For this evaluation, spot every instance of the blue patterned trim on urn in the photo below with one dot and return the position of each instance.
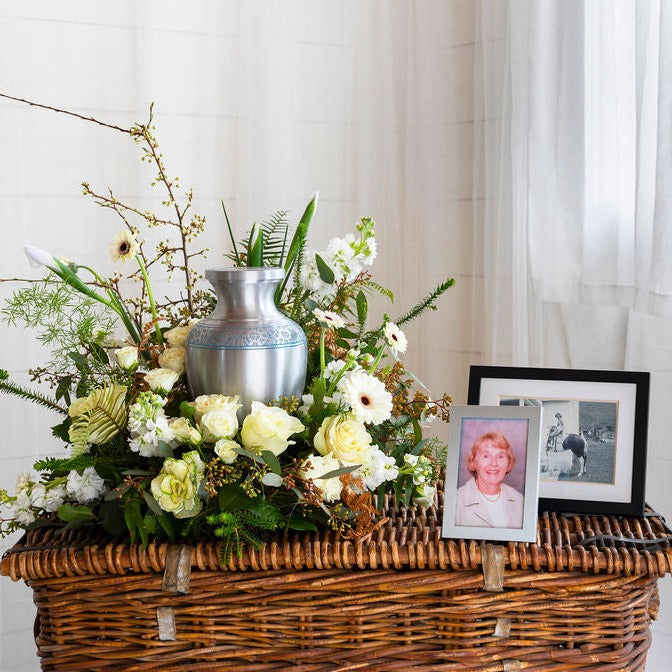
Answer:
(218, 337)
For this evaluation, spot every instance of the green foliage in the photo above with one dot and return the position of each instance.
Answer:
(9, 387)
(104, 418)
(64, 465)
(64, 319)
(427, 303)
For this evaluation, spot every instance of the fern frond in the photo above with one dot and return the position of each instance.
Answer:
(275, 238)
(8, 387)
(56, 464)
(425, 304)
(104, 418)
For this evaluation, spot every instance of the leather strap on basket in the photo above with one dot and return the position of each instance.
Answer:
(492, 561)
(177, 573)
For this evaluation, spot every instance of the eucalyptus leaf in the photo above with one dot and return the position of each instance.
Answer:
(326, 274)
(272, 480)
(272, 461)
(339, 472)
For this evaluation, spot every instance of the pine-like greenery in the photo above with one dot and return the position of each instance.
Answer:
(12, 388)
(427, 303)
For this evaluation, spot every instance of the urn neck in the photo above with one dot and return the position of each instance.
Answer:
(245, 293)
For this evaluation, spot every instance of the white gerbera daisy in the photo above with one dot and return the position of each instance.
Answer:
(395, 338)
(329, 318)
(124, 247)
(370, 402)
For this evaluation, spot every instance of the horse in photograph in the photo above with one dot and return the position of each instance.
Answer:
(579, 447)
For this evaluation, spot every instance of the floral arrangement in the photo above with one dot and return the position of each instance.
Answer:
(143, 460)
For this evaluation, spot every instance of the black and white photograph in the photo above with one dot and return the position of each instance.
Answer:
(593, 432)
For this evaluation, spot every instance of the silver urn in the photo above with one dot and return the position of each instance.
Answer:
(246, 346)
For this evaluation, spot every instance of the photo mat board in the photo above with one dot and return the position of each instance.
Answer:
(593, 432)
(510, 515)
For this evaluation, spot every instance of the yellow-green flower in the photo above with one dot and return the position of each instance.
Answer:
(176, 487)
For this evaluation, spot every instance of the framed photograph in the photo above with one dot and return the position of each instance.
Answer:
(492, 474)
(593, 429)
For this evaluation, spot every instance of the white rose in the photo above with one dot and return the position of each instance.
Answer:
(423, 496)
(344, 438)
(184, 431)
(269, 428)
(173, 358)
(316, 466)
(127, 357)
(219, 424)
(212, 402)
(161, 380)
(177, 336)
(224, 449)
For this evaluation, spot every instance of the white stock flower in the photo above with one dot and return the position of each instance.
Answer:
(310, 279)
(85, 487)
(316, 466)
(329, 318)
(124, 246)
(54, 498)
(38, 496)
(218, 424)
(269, 428)
(378, 469)
(395, 338)
(335, 366)
(212, 402)
(148, 425)
(161, 380)
(370, 402)
(174, 359)
(127, 357)
(344, 438)
(224, 449)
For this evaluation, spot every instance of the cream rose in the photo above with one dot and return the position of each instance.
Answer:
(161, 380)
(344, 438)
(173, 358)
(127, 357)
(218, 424)
(184, 431)
(317, 466)
(175, 488)
(224, 449)
(177, 336)
(212, 402)
(269, 428)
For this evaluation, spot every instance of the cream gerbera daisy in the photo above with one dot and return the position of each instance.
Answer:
(124, 247)
(329, 318)
(370, 402)
(395, 338)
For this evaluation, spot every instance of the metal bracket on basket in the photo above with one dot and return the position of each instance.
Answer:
(165, 617)
(177, 574)
(492, 561)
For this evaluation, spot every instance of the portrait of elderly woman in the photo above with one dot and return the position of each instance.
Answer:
(485, 500)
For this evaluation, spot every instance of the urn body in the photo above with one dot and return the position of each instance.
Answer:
(246, 346)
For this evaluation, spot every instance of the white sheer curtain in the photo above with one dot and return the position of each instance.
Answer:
(574, 169)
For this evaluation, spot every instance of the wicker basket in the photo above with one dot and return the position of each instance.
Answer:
(581, 598)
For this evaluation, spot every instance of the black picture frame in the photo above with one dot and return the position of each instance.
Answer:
(608, 410)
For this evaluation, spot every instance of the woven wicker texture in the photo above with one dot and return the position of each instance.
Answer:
(581, 598)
